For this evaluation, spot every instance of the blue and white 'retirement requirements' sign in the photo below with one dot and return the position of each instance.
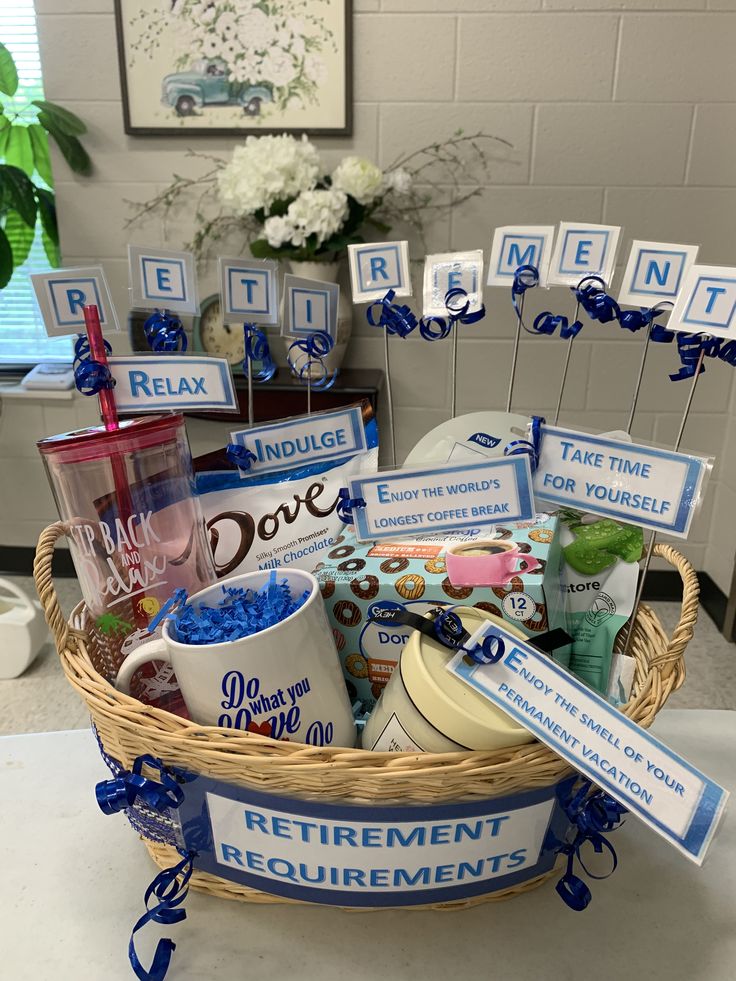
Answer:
(150, 384)
(520, 245)
(295, 442)
(642, 485)
(249, 291)
(442, 498)
(364, 855)
(636, 769)
(706, 303)
(161, 279)
(63, 294)
(655, 272)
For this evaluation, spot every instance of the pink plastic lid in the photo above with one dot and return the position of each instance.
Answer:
(96, 442)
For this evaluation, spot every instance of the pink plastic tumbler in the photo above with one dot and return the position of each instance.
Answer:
(136, 533)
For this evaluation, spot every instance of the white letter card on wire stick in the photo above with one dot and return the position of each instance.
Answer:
(63, 294)
(653, 782)
(249, 291)
(162, 279)
(707, 302)
(520, 245)
(583, 250)
(425, 500)
(309, 306)
(449, 271)
(150, 384)
(655, 272)
(376, 267)
(643, 485)
(304, 439)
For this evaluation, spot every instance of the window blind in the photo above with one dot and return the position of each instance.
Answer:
(22, 336)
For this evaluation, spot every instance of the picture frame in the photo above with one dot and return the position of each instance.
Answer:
(227, 68)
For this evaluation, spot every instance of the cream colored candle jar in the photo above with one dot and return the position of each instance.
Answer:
(424, 708)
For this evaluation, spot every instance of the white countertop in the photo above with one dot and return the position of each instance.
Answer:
(72, 882)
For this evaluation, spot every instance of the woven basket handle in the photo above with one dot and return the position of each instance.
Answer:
(671, 659)
(45, 584)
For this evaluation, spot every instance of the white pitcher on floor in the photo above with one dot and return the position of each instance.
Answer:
(23, 630)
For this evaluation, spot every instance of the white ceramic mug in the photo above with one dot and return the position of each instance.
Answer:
(284, 682)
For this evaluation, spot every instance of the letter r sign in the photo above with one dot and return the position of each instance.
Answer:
(377, 267)
(63, 294)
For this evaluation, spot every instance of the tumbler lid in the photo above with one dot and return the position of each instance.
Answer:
(97, 442)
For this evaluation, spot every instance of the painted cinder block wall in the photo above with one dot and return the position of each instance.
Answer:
(621, 111)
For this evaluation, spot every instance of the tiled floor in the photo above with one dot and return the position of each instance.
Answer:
(42, 701)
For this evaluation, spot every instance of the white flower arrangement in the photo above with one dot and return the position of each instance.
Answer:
(275, 189)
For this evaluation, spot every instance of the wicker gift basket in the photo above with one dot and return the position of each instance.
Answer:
(126, 729)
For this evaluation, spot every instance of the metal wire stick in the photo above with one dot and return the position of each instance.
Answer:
(515, 355)
(453, 372)
(566, 366)
(249, 375)
(653, 537)
(637, 387)
(389, 400)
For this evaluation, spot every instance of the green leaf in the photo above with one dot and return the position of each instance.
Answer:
(6, 260)
(72, 150)
(18, 151)
(64, 120)
(260, 249)
(51, 249)
(18, 193)
(20, 237)
(8, 74)
(47, 214)
(41, 158)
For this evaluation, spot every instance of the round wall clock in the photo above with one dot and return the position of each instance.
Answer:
(210, 335)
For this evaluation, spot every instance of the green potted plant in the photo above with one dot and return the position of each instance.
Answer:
(26, 181)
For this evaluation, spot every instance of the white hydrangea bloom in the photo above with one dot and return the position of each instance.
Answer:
(321, 213)
(359, 178)
(398, 181)
(256, 31)
(266, 169)
(278, 67)
(278, 231)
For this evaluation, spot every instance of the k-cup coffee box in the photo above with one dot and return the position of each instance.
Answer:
(355, 579)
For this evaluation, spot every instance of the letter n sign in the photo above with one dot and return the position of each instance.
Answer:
(377, 267)
(249, 291)
(63, 294)
(162, 279)
(655, 272)
(706, 303)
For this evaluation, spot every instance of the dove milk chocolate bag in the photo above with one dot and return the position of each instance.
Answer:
(278, 518)
(599, 577)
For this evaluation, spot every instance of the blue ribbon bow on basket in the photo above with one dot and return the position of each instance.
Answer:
(592, 816)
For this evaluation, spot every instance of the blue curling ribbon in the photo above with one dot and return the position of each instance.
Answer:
(130, 786)
(531, 445)
(592, 817)
(257, 349)
(90, 376)
(164, 332)
(457, 305)
(525, 278)
(489, 651)
(170, 888)
(396, 318)
(167, 610)
(547, 323)
(345, 505)
(240, 456)
(311, 350)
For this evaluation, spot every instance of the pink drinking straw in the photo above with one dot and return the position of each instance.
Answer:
(110, 419)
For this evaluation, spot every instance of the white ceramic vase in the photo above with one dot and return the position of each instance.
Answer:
(330, 272)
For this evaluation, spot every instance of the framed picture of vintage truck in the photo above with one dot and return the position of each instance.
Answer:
(233, 67)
